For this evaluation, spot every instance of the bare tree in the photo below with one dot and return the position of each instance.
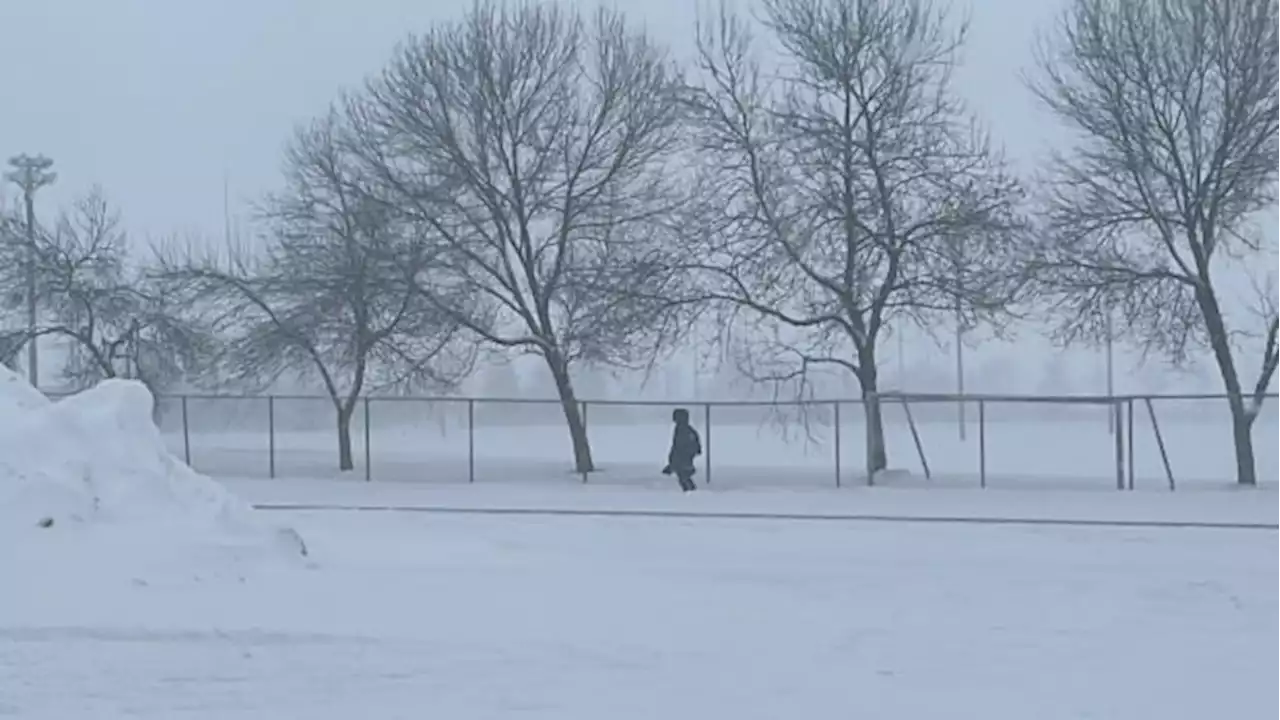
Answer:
(841, 186)
(332, 294)
(119, 321)
(11, 243)
(1174, 106)
(540, 144)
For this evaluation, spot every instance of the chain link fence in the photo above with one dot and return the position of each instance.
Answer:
(1132, 442)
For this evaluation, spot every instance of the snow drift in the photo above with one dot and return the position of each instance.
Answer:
(97, 462)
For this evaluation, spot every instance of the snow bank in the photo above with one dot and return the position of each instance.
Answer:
(96, 464)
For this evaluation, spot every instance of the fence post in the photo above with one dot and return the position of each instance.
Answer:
(982, 443)
(186, 432)
(1164, 453)
(368, 452)
(271, 436)
(835, 421)
(1116, 409)
(915, 435)
(1129, 439)
(471, 440)
(706, 441)
(587, 432)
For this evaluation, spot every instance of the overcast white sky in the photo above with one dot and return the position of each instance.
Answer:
(156, 99)
(159, 100)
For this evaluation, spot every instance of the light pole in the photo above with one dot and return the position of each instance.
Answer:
(1111, 381)
(960, 364)
(31, 174)
(899, 328)
(958, 258)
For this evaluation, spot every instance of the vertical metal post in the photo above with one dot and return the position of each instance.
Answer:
(186, 432)
(1164, 452)
(33, 341)
(471, 440)
(1129, 437)
(835, 421)
(1112, 420)
(706, 439)
(271, 436)
(902, 355)
(958, 253)
(697, 370)
(368, 452)
(982, 443)
(587, 433)
(915, 436)
(1116, 409)
(960, 372)
(31, 174)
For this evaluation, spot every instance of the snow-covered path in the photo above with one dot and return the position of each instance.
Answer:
(1222, 505)
(461, 617)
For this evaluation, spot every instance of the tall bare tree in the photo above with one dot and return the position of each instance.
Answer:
(841, 185)
(121, 323)
(331, 295)
(540, 144)
(1174, 107)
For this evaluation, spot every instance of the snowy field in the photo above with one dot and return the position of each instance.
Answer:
(131, 587)
(406, 615)
(1039, 446)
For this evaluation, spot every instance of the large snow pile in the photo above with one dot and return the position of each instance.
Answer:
(92, 469)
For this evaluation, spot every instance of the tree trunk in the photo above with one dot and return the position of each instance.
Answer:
(345, 461)
(582, 461)
(1242, 414)
(877, 456)
(1242, 433)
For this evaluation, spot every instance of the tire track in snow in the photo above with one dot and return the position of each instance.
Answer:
(761, 516)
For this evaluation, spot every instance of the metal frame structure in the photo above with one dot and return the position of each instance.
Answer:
(1120, 412)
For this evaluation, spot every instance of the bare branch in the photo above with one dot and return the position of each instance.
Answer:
(540, 145)
(333, 295)
(1175, 110)
(120, 323)
(850, 189)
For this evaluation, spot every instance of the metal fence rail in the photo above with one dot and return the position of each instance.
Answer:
(1121, 441)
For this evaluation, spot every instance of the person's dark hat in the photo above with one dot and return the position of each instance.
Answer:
(680, 415)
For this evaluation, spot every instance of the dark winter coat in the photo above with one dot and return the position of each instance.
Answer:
(685, 446)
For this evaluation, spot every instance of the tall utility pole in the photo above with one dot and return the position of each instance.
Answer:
(697, 369)
(31, 174)
(960, 364)
(1111, 377)
(957, 252)
(899, 329)
(226, 209)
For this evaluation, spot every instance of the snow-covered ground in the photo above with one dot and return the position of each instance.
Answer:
(94, 468)
(405, 615)
(89, 498)
(1224, 505)
(132, 587)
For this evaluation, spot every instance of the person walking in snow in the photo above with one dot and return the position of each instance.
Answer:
(685, 446)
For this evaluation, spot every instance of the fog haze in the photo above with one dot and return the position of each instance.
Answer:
(166, 104)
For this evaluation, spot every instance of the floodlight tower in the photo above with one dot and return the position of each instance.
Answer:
(30, 174)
